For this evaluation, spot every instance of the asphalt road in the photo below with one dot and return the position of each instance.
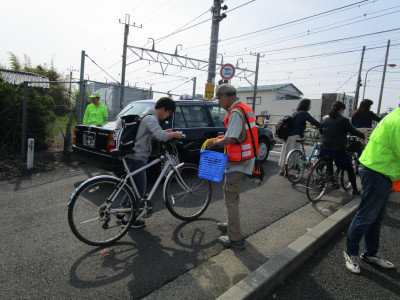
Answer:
(324, 275)
(41, 258)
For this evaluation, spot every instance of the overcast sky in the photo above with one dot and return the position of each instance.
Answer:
(314, 44)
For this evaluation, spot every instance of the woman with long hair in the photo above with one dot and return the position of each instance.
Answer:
(363, 117)
(334, 129)
(301, 116)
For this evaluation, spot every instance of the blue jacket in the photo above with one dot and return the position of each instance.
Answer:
(365, 120)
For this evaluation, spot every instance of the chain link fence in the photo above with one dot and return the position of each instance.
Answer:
(47, 111)
(110, 95)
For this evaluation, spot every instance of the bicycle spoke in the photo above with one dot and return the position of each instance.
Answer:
(93, 220)
(187, 201)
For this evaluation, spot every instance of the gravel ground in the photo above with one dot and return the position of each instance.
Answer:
(46, 161)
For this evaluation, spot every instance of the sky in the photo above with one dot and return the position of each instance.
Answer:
(315, 45)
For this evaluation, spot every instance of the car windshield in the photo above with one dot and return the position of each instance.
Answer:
(135, 109)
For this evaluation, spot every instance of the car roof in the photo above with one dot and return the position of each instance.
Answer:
(204, 102)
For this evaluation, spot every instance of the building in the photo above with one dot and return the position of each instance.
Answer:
(275, 101)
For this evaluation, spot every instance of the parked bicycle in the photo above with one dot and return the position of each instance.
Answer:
(94, 205)
(297, 161)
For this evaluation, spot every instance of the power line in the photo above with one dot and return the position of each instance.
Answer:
(101, 68)
(298, 20)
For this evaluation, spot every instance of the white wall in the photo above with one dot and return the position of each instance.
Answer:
(279, 108)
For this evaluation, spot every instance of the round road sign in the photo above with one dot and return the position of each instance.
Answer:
(227, 71)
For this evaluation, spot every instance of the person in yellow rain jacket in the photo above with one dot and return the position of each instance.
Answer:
(381, 166)
(96, 112)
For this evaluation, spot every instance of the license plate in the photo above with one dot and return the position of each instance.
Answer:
(89, 139)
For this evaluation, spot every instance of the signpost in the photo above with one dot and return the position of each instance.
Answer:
(209, 94)
(227, 71)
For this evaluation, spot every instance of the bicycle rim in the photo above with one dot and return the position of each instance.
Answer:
(316, 182)
(88, 217)
(187, 204)
(295, 166)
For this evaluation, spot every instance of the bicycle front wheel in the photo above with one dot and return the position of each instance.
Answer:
(295, 166)
(189, 199)
(89, 216)
(317, 181)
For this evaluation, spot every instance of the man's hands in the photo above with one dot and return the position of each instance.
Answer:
(173, 134)
(221, 141)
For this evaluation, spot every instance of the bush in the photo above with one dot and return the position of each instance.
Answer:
(40, 114)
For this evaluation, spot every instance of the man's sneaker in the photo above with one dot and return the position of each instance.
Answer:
(378, 260)
(356, 194)
(134, 224)
(224, 240)
(352, 263)
(222, 226)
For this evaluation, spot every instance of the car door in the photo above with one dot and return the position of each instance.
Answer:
(195, 121)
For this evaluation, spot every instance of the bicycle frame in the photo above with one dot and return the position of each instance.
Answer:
(170, 164)
(307, 159)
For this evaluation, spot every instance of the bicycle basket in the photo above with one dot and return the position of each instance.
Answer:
(212, 164)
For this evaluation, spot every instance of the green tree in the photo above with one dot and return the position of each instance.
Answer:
(58, 91)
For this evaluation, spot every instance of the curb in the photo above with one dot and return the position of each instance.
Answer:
(267, 277)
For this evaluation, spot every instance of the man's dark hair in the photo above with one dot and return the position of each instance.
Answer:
(167, 103)
(304, 105)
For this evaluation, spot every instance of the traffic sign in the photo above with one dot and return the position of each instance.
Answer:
(227, 71)
(209, 94)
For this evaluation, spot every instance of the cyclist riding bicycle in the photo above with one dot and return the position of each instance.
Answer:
(334, 129)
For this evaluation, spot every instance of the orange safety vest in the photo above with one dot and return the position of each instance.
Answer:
(244, 151)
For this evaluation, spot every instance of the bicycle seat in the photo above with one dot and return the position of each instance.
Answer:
(300, 140)
(120, 153)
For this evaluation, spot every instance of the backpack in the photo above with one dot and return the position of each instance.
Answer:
(125, 138)
(284, 126)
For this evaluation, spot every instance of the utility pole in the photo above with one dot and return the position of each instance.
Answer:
(126, 33)
(194, 87)
(383, 77)
(255, 82)
(359, 80)
(82, 86)
(212, 60)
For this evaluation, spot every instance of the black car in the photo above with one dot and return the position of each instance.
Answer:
(198, 120)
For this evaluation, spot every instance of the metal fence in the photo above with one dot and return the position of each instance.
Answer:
(49, 114)
(110, 95)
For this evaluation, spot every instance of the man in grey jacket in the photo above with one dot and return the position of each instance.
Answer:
(149, 127)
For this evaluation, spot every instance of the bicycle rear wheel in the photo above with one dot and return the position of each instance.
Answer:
(317, 181)
(354, 161)
(187, 204)
(295, 166)
(88, 216)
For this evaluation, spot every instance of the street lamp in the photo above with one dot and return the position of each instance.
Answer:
(366, 74)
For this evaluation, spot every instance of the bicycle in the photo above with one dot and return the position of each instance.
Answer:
(94, 205)
(354, 147)
(318, 180)
(297, 161)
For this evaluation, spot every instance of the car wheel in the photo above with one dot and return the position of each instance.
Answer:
(263, 150)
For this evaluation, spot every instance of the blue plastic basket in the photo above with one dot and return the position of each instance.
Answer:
(212, 165)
